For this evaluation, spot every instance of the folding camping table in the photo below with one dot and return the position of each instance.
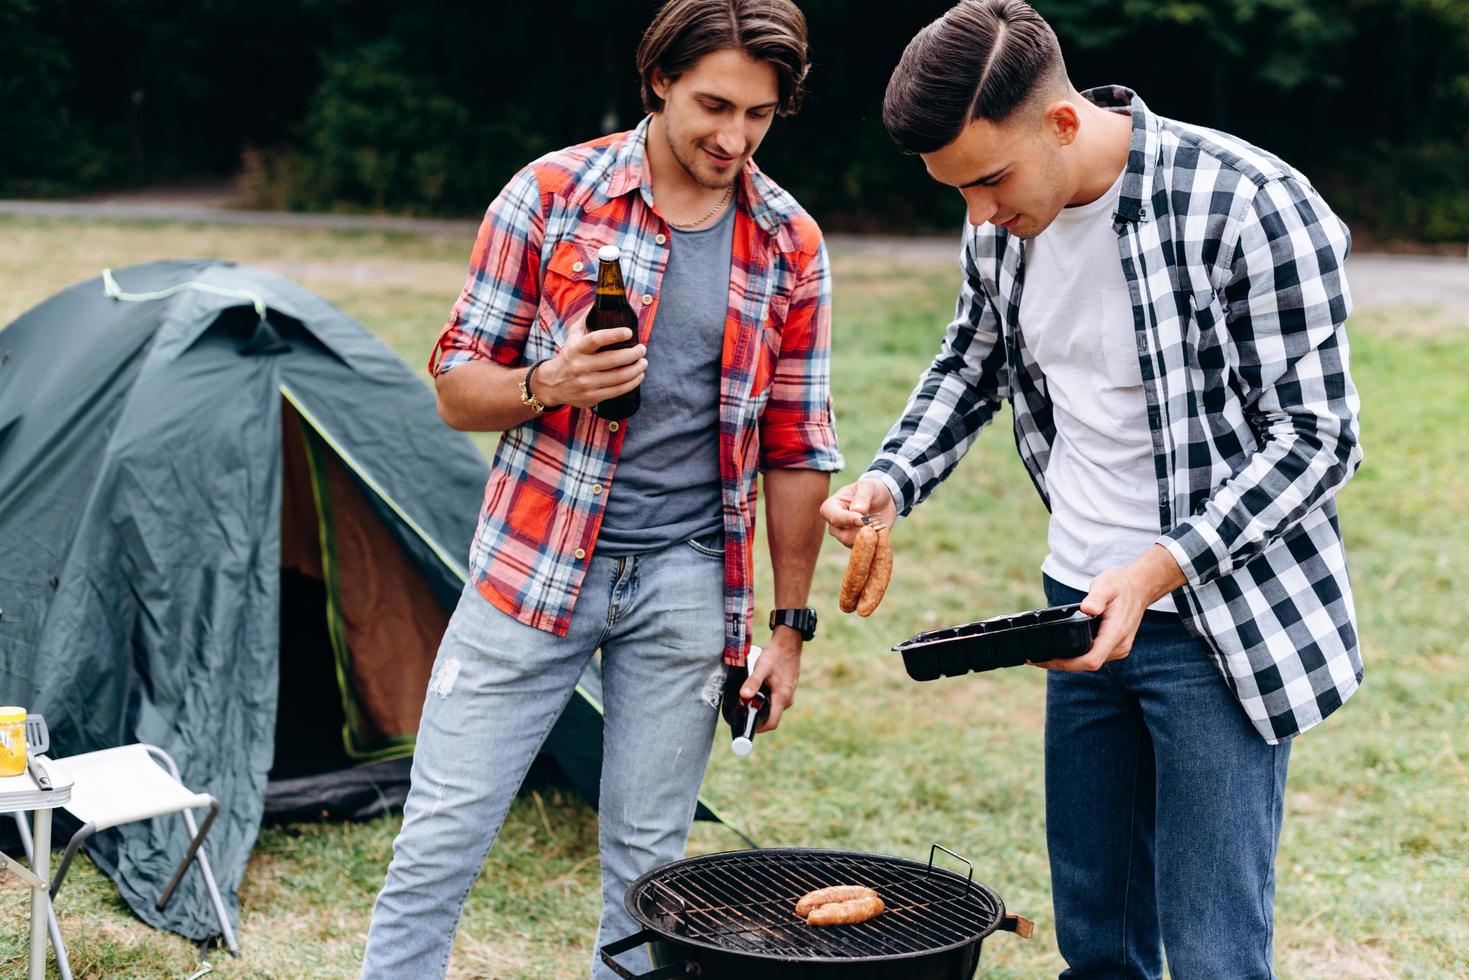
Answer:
(18, 793)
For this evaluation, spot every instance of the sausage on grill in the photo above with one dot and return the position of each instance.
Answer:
(846, 913)
(825, 896)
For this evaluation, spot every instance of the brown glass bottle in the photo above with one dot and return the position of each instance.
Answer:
(744, 716)
(611, 309)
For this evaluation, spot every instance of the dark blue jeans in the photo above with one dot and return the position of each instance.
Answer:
(1163, 811)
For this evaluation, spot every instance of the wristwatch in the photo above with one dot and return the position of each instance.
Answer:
(526, 397)
(803, 621)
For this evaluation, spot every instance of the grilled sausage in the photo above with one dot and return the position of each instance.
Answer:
(825, 896)
(846, 913)
(878, 577)
(858, 565)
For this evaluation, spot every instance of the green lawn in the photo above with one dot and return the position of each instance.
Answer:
(1374, 880)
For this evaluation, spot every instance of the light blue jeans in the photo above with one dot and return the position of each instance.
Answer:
(498, 687)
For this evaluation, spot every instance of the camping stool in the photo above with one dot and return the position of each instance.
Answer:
(139, 782)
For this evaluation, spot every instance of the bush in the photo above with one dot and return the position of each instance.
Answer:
(1418, 193)
(379, 135)
(43, 151)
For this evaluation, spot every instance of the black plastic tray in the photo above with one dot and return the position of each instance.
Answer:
(1052, 633)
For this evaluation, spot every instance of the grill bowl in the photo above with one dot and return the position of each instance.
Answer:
(733, 913)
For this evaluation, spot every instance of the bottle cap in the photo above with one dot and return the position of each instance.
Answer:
(10, 714)
(742, 746)
(609, 253)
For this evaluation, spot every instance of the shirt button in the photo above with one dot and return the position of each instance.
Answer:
(647, 299)
(596, 488)
(577, 267)
(581, 553)
(661, 239)
(613, 426)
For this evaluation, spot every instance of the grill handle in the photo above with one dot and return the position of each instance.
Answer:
(932, 851)
(1017, 924)
(633, 942)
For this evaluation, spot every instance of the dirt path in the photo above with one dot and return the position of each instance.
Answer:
(1377, 279)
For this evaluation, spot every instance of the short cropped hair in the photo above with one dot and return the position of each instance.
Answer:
(981, 60)
(686, 30)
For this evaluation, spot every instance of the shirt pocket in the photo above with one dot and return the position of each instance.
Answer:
(568, 286)
(771, 331)
(768, 333)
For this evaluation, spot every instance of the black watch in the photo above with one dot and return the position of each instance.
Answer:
(803, 621)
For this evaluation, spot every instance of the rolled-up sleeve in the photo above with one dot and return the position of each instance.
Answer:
(797, 427)
(497, 305)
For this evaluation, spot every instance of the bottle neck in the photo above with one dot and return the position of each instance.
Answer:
(609, 279)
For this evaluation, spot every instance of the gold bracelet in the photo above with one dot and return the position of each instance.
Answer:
(526, 398)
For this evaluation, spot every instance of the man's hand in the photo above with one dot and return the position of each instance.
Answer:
(780, 666)
(583, 375)
(1121, 596)
(843, 511)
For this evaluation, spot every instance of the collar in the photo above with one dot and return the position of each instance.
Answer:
(1142, 154)
(630, 172)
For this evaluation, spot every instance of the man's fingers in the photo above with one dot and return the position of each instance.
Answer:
(1106, 641)
(584, 342)
(751, 687)
(834, 509)
(609, 360)
(779, 702)
(602, 385)
(621, 389)
(618, 376)
(870, 498)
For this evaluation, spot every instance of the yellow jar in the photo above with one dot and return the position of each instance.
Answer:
(12, 741)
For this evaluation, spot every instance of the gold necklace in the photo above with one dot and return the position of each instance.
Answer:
(728, 192)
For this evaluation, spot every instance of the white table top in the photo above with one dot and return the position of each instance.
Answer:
(22, 793)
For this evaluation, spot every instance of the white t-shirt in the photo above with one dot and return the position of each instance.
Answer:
(1076, 317)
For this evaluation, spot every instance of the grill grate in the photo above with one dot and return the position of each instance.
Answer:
(744, 901)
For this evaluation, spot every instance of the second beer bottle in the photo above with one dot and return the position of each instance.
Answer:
(611, 309)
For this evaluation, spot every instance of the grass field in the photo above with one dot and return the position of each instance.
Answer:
(1373, 873)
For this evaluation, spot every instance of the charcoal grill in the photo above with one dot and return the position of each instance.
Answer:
(733, 915)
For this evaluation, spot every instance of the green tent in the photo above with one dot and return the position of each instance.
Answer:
(231, 525)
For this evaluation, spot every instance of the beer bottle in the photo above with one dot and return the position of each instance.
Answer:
(744, 716)
(611, 309)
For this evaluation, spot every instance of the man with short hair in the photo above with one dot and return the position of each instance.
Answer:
(632, 537)
(1163, 305)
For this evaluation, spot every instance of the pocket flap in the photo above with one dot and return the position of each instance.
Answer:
(573, 260)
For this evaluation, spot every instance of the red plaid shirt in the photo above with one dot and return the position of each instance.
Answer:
(533, 270)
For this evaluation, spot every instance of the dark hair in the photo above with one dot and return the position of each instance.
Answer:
(686, 30)
(981, 60)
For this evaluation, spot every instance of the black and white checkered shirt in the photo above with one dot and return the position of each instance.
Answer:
(1240, 302)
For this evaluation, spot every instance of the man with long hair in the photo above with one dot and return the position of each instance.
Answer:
(632, 537)
(1164, 308)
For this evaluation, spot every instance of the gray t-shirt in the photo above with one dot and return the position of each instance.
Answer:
(666, 487)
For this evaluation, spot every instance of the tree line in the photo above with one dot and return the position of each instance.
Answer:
(429, 107)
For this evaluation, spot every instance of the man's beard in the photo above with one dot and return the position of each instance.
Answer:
(714, 184)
